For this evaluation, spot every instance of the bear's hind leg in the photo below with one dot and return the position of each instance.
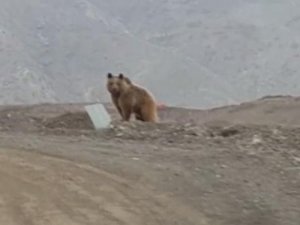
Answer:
(149, 113)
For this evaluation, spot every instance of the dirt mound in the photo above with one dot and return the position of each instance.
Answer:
(70, 120)
(276, 110)
(43, 117)
(270, 110)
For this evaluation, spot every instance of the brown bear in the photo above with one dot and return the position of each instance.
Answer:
(131, 99)
(113, 89)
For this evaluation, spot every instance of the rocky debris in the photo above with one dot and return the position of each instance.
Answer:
(73, 120)
(149, 131)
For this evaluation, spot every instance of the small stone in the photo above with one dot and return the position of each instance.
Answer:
(256, 139)
(228, 132)
(121, 128)
(119, 134)
(84, 137)
(251, 153)
(297, 159)
(133, 125)
(187, 125)
(245, 211)
(155, 148)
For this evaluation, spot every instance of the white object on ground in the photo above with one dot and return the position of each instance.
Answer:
(98, 115)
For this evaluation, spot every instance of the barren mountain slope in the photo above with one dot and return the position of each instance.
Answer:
(215, 52)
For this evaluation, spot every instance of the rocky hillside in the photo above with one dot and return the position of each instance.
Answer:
(215, 52)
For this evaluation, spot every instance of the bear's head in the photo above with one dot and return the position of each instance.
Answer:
(117, 84)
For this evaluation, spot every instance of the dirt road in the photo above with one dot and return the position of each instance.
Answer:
(39, 189)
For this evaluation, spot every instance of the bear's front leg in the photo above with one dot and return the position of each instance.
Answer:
(126, 112)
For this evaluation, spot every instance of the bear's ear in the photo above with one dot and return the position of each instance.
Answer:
(109, 75)
(121, 76)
